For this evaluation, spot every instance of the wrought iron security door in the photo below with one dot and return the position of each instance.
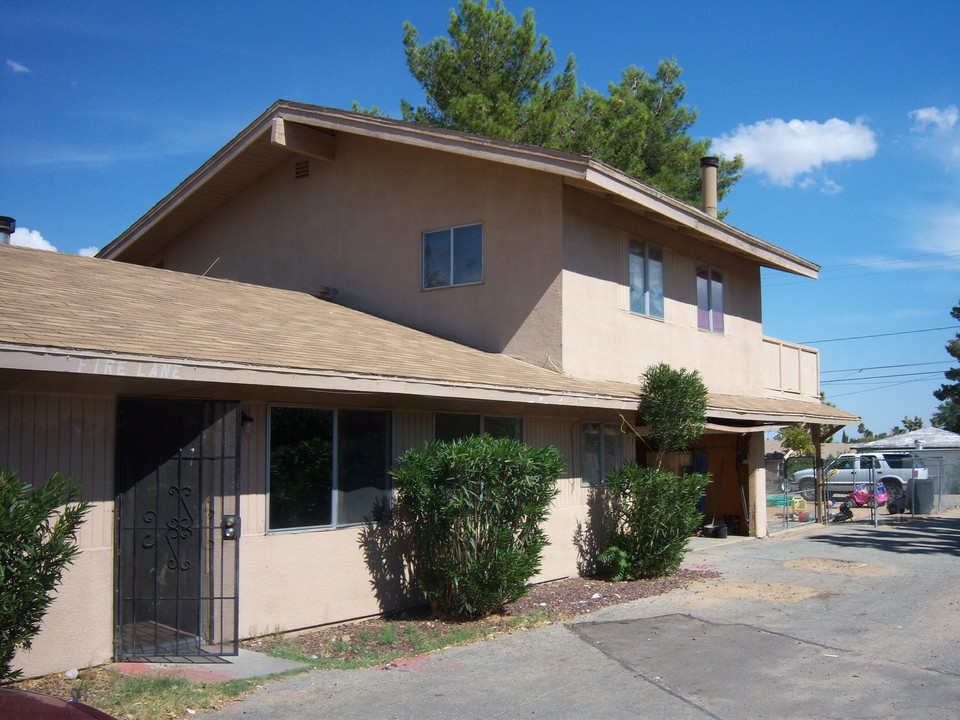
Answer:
(177, 529)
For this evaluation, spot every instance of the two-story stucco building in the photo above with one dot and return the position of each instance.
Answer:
(348, 287)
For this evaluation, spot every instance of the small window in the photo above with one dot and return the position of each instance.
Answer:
(646, 279)
(709, 298)
(601, 450)
(327, 467)
(454, 426)
(453, 256)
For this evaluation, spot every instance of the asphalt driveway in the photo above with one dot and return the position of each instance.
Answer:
(835, 622)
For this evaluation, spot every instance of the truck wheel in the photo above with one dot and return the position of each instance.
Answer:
(896, 501)
(808, 489)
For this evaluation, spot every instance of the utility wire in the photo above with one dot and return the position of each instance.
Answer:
(882, 386)
(870, 265)
(886, 367)
(933, 373)
(864, 337)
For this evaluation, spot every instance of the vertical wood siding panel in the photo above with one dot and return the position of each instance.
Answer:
(71, 435)
(560, 433)
(253, 469)
(5, 401)
(681, 286)
(28, 441)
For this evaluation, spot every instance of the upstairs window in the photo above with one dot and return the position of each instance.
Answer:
(452, 256)
(453, 426)
(646, 279)
(709, 298)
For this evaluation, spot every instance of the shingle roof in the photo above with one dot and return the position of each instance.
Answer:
(930, 437)
(70, 302)
(67, 304)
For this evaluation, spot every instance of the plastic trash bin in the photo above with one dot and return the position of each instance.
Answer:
(922, 492)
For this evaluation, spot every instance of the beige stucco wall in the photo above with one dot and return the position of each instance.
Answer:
(355, 224)
(603, 339)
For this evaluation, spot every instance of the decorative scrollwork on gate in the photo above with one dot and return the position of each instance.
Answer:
(179, 528)
(149, 540)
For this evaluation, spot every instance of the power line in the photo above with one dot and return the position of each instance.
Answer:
(864, 337)
(883, 386)
(933, 373)
(886, 367)
(870, 265)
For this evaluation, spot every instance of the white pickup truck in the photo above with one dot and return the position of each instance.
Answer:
(842, 474)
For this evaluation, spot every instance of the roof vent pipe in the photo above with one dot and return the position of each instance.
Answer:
(708, 184)
(7, 226)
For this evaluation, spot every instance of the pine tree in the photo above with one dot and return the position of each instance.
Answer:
(492, 76)
(947, 415)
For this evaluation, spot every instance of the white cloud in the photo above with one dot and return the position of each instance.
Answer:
(88, 251)
(943, 120)
(17, 67)
(784, 151)
(31, 239)
(937, 229)
(829, 187)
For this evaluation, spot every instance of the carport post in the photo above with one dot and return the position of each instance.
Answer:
(818, 466)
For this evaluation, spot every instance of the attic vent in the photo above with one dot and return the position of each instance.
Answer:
(302, 169)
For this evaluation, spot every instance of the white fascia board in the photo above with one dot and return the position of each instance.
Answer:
(459, 143)
(102, 364)
(768, 254)
(185, 189)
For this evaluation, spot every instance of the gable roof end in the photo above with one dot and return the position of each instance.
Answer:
(295, 128)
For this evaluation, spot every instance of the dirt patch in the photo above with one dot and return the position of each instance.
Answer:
(758, 591)
(838, 567)
(546, 602)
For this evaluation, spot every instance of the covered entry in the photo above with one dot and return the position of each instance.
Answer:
(177, 528)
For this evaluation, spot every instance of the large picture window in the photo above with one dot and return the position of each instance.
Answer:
(453, 426)
(646, 279)
(709, 298)
(601, 450)
(327, 467)
(452, 256)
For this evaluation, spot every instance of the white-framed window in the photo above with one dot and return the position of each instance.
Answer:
(452, 256)
(453, 426)
(709, 298)
(328, 468)
(646, 278)
(601, 450)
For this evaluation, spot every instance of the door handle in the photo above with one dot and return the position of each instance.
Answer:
(230, 527)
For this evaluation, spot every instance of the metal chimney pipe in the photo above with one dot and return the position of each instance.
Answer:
(7, 226)
(708, 184)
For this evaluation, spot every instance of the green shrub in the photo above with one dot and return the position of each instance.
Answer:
(37, 541)
(474, 509)
(653, 514)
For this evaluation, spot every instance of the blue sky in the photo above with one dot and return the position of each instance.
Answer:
(846, 113)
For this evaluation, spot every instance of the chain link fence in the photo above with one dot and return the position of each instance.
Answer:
(870, 502)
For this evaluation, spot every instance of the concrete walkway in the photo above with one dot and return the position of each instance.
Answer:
(835, 622)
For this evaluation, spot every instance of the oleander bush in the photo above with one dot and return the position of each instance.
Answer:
(653, 513)
(38, 540)
(474, 509)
